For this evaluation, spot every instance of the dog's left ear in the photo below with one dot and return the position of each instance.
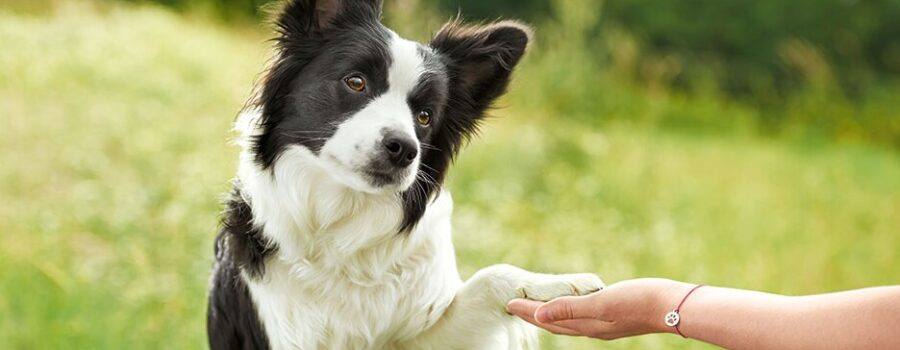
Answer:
(481, 58)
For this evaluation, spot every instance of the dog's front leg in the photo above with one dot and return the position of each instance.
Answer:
(477, 317)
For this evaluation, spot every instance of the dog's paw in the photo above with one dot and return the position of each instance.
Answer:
(549, 287)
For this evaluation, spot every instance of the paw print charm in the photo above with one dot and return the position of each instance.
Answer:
(672, 319)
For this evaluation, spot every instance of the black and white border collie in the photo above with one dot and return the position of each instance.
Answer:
(337, 232)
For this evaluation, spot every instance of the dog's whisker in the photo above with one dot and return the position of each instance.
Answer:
(429, 168)
(430, 147)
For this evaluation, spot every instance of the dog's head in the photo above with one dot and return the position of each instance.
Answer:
(381, 114)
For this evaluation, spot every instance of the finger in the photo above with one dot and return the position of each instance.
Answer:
(599, 329)
(524, 309)
(552, 328)
(566, 308)
(587, 327)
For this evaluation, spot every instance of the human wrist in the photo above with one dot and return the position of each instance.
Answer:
(668, 295)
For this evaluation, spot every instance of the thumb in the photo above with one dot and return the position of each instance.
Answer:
(565, 308)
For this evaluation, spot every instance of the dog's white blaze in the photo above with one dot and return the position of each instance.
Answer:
(358, 139)
(406, 70)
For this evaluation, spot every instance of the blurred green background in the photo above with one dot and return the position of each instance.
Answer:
(752, 144)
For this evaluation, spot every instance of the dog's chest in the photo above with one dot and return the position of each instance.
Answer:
(327, 310)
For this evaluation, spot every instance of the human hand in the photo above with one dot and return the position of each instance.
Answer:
(624, 309)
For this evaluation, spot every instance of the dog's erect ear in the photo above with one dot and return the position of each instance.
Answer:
(482, 57)
(480, 60)
(308, 16)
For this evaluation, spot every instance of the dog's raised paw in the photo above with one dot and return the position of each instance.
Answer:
(549, 287)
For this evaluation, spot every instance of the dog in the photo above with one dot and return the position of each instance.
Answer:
(336, 234)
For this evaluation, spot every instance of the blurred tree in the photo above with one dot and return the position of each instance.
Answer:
(860, 38)
(227, 9)
(852, 35)
(531, 10)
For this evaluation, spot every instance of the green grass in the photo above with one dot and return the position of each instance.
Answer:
(114, 150)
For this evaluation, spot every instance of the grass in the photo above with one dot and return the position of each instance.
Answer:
(114, 137)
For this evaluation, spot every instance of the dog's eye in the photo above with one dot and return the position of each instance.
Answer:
(356, 83)
(423, 117)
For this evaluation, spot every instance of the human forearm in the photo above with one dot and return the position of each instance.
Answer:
(860, 319)
(735, 319)
(741, 319)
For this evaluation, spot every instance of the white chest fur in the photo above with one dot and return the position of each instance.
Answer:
(332, 311)
(343, 277)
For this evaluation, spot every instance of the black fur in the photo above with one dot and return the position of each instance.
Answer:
(232, 321)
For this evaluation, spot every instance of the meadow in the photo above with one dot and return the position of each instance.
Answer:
(115, 151)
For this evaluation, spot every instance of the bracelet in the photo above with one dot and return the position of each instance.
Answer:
(673, 319)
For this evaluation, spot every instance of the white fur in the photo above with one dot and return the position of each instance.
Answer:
(343, 278)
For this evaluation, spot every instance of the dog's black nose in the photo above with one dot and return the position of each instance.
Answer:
(401, 150)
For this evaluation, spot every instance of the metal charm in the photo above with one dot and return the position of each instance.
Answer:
(672, 319)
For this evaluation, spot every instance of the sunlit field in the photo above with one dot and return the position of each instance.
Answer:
(115, 151)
